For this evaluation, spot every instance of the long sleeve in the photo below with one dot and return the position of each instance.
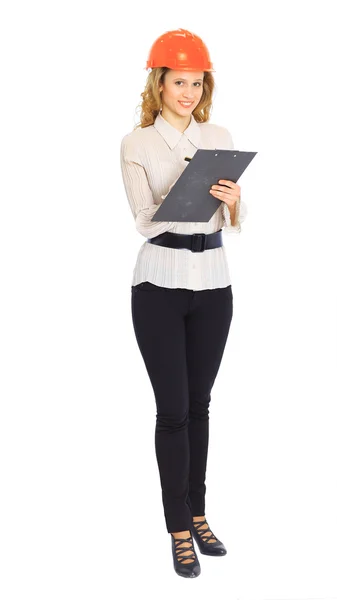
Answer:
(240, 215)
(241, 207)
(139, 193)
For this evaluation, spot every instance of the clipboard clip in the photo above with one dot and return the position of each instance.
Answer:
(187, 158)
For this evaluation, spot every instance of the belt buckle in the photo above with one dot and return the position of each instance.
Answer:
(198, 242)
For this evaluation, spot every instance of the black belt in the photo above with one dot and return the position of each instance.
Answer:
(197, 242)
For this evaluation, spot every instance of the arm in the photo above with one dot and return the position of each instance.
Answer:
(139, 193)
(233, 218)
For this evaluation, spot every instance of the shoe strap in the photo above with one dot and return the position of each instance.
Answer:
(179, 549)
(198, 525)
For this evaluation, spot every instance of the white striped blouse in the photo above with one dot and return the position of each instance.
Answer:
(152, 159)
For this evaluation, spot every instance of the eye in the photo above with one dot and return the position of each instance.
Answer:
(196, 83)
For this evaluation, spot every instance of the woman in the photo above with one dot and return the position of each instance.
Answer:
(181, 295)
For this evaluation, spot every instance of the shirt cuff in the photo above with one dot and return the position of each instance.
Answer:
(240, 215)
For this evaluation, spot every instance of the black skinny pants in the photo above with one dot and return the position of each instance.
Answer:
(181, 335)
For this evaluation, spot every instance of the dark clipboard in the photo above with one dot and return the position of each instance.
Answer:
(189, 199)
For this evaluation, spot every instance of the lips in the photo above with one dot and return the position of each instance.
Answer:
(185, 105)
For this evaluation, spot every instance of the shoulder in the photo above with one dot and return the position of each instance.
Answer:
(136, 139)
(220, 134)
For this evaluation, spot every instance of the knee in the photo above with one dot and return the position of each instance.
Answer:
(199, 406)
(172, 422)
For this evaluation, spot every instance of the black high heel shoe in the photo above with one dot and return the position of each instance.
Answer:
(190, 569)
(211, 548)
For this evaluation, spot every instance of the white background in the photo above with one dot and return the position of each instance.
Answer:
(81, 512)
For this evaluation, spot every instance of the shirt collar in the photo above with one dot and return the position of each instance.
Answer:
(172, 136)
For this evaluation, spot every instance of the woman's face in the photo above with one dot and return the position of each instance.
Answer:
(182, 91)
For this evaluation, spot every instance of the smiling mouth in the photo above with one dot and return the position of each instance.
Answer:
(185, 103)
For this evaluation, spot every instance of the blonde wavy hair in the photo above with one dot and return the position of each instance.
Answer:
(151, 103)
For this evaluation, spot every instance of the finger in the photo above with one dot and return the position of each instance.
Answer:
(226, 182)
(235, 187)
(221, 190)
(224, 195)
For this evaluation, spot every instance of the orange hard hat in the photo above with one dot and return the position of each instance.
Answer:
(180, 50)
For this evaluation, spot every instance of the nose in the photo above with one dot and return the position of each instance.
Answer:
(188, 92)
(188, 95)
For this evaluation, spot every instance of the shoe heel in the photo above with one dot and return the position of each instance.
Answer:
(210, 549)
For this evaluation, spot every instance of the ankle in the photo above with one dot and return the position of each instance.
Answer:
(199, 519)
(178, 535)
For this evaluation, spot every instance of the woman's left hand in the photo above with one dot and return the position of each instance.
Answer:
(230, 194)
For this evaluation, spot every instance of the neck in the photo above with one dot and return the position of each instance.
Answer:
(177, 121)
